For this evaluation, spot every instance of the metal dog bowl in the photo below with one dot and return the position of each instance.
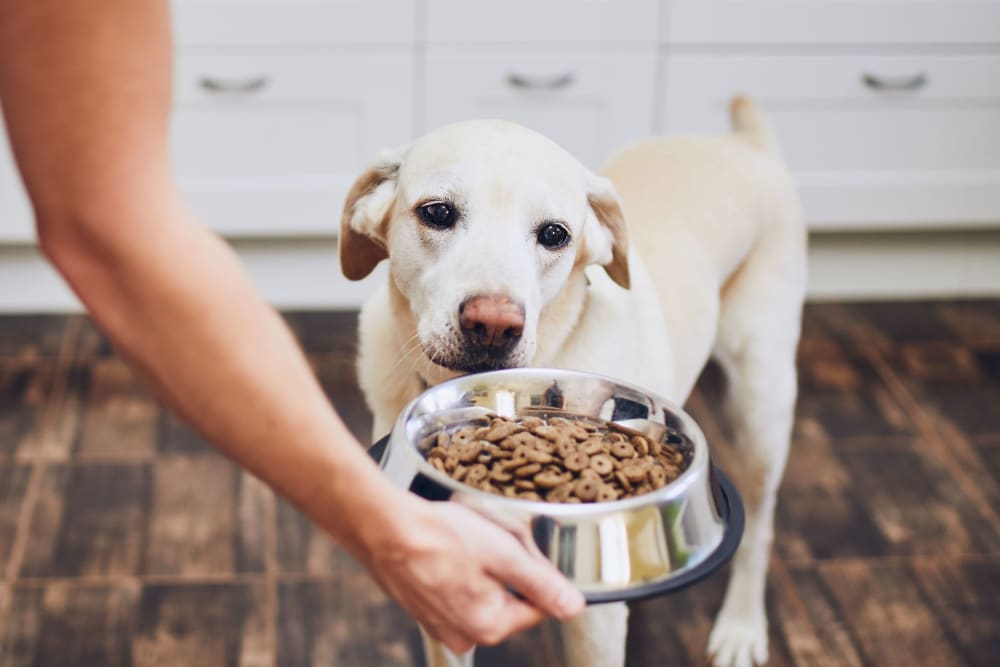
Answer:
(621, 550)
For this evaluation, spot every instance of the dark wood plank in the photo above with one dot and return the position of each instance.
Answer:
(210, 625)
(348, 621)
(31, 421)
(674, 629)
(13, 485)
(954, 383)
(31, 337)
(91, 344)
(905, 321)
(973, 321)
(874, 501)
(57, 394)
(301, 546)
(70, 625)
(841, 396)
(811, 625)
(119, 417)
(888, 616)
(964, 600)
(21, 395)
(89, 520)
(176, 437)
(835, 322)
(336, 374)
(325, 332)
(196, 519)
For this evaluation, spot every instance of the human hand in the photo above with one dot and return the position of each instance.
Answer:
(449, 568)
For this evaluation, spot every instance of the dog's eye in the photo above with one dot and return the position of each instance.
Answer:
(437, 214)
(552, 236)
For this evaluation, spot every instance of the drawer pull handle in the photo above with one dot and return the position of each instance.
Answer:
(540, 83)
(231, 86)
(915, 82)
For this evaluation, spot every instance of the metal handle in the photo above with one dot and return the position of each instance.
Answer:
(914, 82)
(233, 86)
(540, 83)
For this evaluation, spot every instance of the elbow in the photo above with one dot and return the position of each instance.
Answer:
(63, 241)
(80, 246)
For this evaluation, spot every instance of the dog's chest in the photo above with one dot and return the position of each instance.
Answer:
(621, 334)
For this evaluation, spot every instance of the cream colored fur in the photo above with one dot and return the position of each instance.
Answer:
(715, 248)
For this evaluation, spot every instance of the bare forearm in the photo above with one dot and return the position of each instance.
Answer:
(175, 301)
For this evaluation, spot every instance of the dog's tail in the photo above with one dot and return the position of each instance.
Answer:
(748, 122)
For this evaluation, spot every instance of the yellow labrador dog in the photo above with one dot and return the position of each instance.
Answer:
(505, 251)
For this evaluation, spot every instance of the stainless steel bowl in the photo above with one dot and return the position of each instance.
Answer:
(625, 549)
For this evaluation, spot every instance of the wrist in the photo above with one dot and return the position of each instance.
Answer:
(362, 509)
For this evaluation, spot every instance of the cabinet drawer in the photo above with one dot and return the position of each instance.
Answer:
(833, 22)
(874, 141)
(544, 21)
(588, 103)
(287, 22)
(271, 146)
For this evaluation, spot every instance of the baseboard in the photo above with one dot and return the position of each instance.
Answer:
(305, 274)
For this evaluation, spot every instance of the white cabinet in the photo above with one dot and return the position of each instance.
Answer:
(886, 110)
(874, 141)
(269, 144)
(294, 22)
(833, 21)
(590, 101)
(542, 21)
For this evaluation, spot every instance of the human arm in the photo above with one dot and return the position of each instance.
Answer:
(86, 93)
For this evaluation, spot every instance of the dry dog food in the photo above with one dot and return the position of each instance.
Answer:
(557, 460)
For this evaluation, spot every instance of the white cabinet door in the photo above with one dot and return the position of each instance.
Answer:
(542, 21)
(589, 102)
(832, 21)
(288, 22)
(879, 141)
(16, 219)
(269, 145)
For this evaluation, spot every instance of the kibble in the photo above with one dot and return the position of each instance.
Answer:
(559, 459)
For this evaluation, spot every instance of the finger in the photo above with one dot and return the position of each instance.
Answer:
(537, 580)
(520, 616)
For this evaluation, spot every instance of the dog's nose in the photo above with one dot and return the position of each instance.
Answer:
(492, 322)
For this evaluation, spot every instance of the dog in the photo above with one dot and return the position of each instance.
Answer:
(504, 251)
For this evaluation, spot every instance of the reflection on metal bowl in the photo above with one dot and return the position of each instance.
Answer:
(620, 550)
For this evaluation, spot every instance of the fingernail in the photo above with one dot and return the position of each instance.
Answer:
(570, 601)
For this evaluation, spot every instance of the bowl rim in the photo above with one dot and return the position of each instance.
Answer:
(678, 489)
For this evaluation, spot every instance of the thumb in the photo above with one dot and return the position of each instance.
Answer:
(536, 580)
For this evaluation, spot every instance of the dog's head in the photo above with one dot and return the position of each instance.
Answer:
(484, 223)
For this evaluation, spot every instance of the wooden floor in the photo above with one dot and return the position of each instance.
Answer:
(125, 540)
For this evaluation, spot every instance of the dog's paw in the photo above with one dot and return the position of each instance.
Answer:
(738, 640)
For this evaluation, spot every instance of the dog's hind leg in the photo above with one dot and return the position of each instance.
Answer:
(756, 343)
(437, 654)
(597, 637)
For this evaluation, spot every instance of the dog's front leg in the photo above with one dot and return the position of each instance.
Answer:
(597, 637)
(762, 389)
(437, 654)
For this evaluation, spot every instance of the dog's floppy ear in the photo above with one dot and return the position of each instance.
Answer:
(605, 234)
(365, 220)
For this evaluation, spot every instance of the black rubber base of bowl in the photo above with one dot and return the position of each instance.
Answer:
(730, 506)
